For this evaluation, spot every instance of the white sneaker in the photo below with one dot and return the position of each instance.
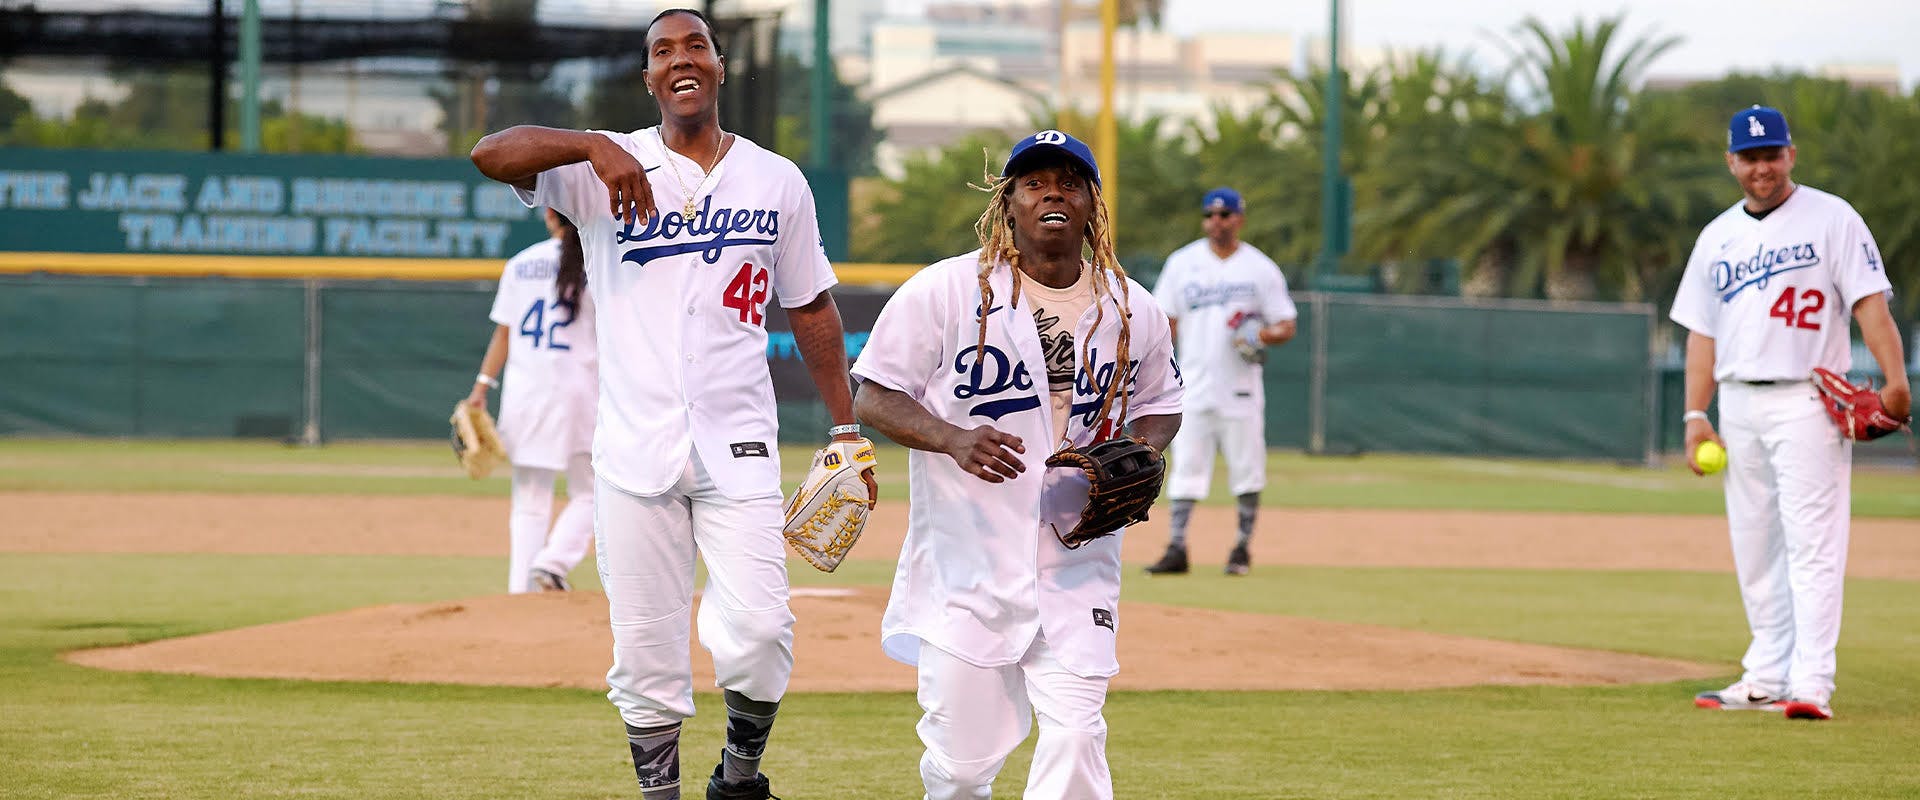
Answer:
(1739, 697)
(540, 580)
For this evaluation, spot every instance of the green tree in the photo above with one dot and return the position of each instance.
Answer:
(853, 135)
(929, 213)
(1557, 197)
(12, 104)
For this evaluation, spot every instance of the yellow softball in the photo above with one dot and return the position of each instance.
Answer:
(1710, 456)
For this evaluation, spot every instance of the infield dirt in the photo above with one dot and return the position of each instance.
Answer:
(563, 640)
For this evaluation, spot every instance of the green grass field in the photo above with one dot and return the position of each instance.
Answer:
(72, 732)
(1294, 480)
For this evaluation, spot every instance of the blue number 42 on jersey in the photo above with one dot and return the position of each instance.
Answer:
(534, 323)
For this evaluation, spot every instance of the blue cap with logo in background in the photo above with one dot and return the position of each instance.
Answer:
(1222, 199)
(1758, 126)
(1052, 142)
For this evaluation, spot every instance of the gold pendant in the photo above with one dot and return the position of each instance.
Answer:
(687, 210)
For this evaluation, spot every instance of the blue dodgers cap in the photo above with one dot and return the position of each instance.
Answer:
(1046, 142)
(1758, 126)
(1222, 199)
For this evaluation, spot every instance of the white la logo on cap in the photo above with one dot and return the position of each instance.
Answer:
(1050, 137)
(1754, 128)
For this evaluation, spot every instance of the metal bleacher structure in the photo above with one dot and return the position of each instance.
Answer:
(505, 36)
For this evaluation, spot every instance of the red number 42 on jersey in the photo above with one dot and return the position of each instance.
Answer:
(747, 294)
(1801, 316)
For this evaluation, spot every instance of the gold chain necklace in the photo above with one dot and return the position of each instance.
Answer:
(720, 138)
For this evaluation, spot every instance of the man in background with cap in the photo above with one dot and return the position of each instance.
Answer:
(984, 364)
(1228, 303)
(1768, 295)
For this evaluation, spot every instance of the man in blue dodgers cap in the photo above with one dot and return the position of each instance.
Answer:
(1769, 295)
(984, 364)
(1228, 303)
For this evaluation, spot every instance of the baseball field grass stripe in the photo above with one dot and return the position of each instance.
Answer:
(229, 738)
(1294, 480)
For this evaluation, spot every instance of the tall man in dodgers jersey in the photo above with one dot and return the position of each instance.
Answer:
(1768, 295)
(689, 232)
(1228, 302)
(983, 364)
(543, 335)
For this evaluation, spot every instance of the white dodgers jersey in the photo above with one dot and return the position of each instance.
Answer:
(982, 572)
(1207, 297)
(1776, 294)
(682, 311)
(547, 397)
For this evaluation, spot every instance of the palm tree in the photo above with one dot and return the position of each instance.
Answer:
(1555, 195)
(1299, 103)
(1438, 120)
(1583, 169)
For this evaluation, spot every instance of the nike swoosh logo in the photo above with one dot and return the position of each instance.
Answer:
(650, 169)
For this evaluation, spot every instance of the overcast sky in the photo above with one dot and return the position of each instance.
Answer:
(1717, 36)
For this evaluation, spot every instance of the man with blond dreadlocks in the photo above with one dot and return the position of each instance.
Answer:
(984, 363)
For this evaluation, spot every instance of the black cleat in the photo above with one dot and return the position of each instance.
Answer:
(1173, 563)
(1238, 563)
(755, 788)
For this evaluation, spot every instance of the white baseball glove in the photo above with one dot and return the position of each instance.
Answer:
(827, 513)
(1246, 337)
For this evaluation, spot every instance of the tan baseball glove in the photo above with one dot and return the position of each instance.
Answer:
(827, 513)
(475, 442)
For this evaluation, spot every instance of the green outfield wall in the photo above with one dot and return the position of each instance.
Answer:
(326, 359)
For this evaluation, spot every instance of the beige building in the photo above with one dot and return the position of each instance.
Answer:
(934, 79)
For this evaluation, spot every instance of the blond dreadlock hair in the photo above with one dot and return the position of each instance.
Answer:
(997, 247)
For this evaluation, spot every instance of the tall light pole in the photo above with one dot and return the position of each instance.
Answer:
(822, 156)
(1335, 192)
(250, 77)
(1106, 139)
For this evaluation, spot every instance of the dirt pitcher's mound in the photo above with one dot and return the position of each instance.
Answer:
(563, 640)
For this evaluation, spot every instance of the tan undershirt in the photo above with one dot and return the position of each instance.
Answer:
(1056, 312)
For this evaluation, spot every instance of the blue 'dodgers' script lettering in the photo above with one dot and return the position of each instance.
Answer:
(728, 227)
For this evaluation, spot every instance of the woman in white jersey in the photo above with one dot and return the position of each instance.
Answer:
(544, 334)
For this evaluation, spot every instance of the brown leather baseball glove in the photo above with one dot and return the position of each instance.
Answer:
(1123, 477)
(1856, 409)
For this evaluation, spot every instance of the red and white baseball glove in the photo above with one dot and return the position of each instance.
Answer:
(1856, 409)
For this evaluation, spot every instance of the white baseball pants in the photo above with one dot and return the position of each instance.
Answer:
(976, 716)
(1241, 439)
(1788, 486)
(529, 545)
(646, 547)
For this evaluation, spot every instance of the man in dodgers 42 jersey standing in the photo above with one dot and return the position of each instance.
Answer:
(1766, 298)
(1228, 302)
(682, 256)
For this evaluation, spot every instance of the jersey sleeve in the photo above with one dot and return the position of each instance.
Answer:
(505, 304)
(572, 189)
(1694, 305)
(1166, 288)
(800, 270)
(1157, 387)
(1858, 271)
(1276, 305)
(904, 351)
